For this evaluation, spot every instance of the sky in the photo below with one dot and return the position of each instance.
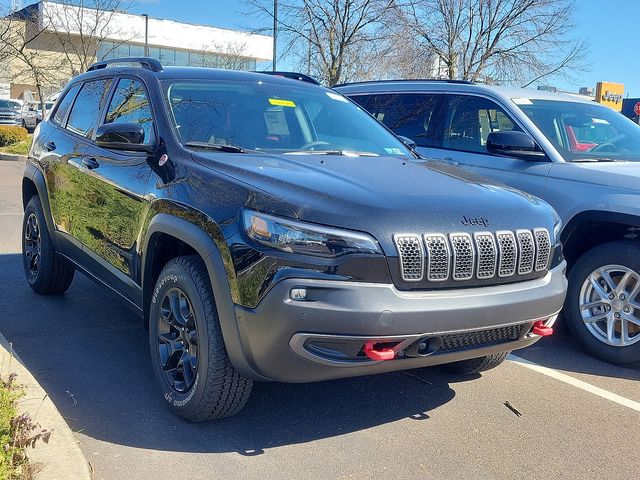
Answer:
(612, 28)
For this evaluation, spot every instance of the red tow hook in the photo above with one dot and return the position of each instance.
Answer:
(539, 328)
(378, 355)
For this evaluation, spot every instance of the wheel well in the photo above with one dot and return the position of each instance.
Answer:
(28, 190)
(590, 233)
(161, 249)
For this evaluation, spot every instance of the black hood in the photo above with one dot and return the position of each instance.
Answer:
(384, 195)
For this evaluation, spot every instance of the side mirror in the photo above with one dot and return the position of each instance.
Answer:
(122, 136)
(514, 144)
(408, 142)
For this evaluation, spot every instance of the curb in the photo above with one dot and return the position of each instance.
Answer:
(61, 458)
(10, 157)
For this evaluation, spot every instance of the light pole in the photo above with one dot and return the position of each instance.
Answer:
(275, 34)
(146, 34)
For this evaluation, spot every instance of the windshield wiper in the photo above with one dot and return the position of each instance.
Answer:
(221, 147)
(342, 153)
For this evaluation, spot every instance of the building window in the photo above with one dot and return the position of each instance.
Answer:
(169, 56)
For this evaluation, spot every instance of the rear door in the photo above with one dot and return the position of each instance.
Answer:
(465, 123)
(411, 115)
(65, 145)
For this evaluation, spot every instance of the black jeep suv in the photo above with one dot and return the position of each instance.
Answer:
(268, 229)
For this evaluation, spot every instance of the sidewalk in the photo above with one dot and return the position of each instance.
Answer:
(61, 458)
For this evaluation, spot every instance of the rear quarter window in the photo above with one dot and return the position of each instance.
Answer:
(65, 104)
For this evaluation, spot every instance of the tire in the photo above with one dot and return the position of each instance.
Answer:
(209, 387)
(46, 273)
(617, 258)
(476, 365)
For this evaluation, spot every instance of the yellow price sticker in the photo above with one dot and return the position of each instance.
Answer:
(282, 103)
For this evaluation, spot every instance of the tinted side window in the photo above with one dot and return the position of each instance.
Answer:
(362, 100)
(65, 103)
(89, 102)
(470, 120)
(130, 104)
(407, 114)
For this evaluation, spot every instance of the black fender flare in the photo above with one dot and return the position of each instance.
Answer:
(597, 215)
(32, 173)
(206, 247)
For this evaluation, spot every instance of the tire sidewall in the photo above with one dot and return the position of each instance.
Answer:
(46, 248)
(618, 253)
(171, 277)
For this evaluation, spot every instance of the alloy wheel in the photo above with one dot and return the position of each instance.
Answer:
(178, 340)
(32, 244)
(609, 305)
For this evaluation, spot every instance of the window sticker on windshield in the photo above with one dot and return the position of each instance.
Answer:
(337, 97)
(600, 120)
(394, 151)
(276, 122)
(282, 103)
(522, 101)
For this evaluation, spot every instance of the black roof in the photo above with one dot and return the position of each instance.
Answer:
(151, 66)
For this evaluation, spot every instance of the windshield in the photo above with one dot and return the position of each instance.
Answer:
(9, 104)
(584, 131)
(275, 118)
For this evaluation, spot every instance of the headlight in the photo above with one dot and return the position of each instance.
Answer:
(305, 238)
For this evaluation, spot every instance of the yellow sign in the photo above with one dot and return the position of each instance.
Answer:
(610, 94)
(281, 103)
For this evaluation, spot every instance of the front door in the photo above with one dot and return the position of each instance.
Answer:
(466, 123)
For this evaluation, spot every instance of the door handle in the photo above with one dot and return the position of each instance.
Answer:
(450, 161)
(90, 163)
(50, 146)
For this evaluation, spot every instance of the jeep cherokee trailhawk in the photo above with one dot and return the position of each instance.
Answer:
(269, 229)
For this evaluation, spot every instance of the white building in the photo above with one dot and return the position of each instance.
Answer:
(120, 34)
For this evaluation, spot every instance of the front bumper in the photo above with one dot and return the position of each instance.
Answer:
(321, 337)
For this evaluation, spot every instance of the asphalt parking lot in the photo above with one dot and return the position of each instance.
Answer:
(579, 417)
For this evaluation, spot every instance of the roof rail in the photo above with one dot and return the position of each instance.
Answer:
(443, 80)
(145, 62)
(292, 75)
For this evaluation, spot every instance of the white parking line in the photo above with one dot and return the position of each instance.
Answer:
(587, 387)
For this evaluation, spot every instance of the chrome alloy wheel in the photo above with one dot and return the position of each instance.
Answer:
(609, 305)
(178, 340)
(32, 244)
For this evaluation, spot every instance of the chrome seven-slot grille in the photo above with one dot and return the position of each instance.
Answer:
(483, 255)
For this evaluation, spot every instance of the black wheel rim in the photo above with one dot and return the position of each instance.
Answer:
(178, 341)
(32, 244)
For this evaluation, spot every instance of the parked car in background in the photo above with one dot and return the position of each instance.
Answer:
(581, 157)
(32, 114)
(10, 112)
(268, 229)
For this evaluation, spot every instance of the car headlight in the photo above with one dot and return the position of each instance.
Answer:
(305, 238)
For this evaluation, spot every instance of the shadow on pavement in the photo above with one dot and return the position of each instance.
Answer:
(87, 347)
(562, 353)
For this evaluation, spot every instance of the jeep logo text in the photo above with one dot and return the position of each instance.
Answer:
(466, 221)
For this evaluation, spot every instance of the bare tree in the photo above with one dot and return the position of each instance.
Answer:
(21, 61)
(334, 40)
(81, 26)
(230, 56)
(498, 41)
